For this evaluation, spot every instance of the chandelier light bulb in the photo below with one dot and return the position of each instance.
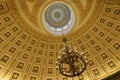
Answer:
(63, 53)
(59, 57)
(57, 67)
(85, 57)
(75, 48)
(86, 61)
(56, 62)
(82, 53)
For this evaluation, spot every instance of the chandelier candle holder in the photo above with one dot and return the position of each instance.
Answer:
(70, 61)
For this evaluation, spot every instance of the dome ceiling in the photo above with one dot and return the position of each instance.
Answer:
(28, 51)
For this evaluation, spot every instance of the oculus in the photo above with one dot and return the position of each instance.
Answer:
(58, 17)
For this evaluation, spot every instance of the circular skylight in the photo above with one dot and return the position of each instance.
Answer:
(58, 18)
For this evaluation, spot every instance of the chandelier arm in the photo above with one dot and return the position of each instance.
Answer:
(84, 64)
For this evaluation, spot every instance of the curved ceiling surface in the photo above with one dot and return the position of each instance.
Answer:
(28, 51)
(32, 13)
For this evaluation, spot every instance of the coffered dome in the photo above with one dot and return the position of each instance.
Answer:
(30, 37)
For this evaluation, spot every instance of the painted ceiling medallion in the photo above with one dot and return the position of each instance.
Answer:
(58, 17)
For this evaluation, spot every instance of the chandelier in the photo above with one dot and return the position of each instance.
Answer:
(70, 61)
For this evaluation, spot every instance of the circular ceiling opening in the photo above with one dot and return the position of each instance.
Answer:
(58, 18)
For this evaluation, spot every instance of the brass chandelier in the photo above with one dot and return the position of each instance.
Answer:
(70, 61)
